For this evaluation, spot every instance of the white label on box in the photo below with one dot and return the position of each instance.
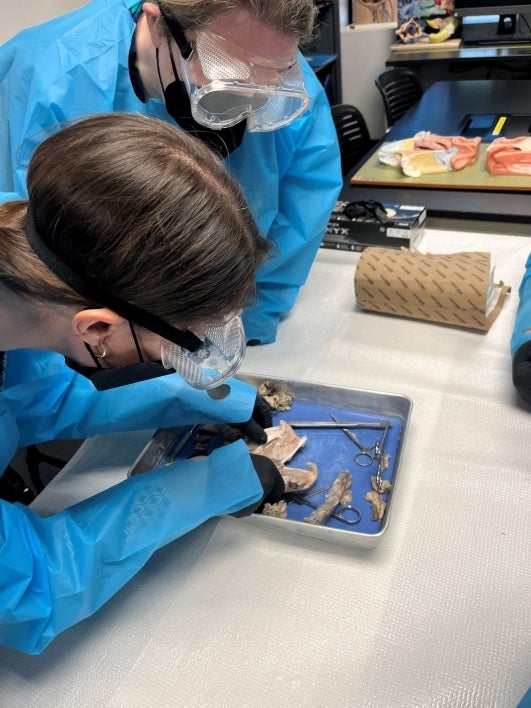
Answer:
(397, 233)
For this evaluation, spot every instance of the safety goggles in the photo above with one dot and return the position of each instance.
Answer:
(227, 85)
(204, 360)
(216, 359)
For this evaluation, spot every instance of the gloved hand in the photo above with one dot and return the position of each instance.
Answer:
(521, 338)
(522, 371)
(271, 481)
(260, 419)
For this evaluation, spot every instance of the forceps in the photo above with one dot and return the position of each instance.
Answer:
(367, 455)
(346, 513)
(380, 456)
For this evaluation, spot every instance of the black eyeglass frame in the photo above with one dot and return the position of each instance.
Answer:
(177, 32)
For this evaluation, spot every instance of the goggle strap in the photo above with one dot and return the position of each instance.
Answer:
(87, 286)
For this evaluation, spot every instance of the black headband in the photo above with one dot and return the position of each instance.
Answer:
(87, 286)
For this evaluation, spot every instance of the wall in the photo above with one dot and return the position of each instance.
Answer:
(26, 13)
(364, 50)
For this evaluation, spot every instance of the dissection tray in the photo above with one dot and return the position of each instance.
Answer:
(384, 419)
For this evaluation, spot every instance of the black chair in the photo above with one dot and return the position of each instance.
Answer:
(352, 134)
(400, 89)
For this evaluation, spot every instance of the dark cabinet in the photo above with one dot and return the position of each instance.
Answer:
(323, 54)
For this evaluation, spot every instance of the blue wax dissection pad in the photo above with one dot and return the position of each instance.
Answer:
(332, 451)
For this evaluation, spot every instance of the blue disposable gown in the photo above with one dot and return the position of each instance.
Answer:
(78, 64)
(521, 337)
(56, 571)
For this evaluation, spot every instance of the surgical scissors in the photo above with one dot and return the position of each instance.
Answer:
(346, 513)
(367, 455)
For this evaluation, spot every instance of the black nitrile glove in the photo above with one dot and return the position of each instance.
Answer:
(260, 419)
(522, 371)
(271, 481)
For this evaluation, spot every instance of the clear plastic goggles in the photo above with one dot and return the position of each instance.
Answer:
(218, 358)
(227, 85)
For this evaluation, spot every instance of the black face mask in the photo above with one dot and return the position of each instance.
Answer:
(104, 379)
(222, 142)
(177, 103)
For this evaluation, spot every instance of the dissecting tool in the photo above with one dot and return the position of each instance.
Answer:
(367, 455)
(346, 513)
(338, 424)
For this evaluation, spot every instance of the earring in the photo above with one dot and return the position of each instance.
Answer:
(102, 352)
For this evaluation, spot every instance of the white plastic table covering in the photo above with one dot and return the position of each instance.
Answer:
(437, 615)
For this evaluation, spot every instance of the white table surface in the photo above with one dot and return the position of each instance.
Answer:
(438, 614)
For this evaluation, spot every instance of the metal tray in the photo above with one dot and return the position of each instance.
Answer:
(330, 449)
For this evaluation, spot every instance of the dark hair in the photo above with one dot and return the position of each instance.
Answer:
(148, 211)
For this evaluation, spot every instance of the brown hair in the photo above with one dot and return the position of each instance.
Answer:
(294, 18)
(148, 210)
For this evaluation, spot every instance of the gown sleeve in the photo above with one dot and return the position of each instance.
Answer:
(45, 400)
(56, 571)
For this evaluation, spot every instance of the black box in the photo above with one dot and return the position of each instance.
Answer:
(404, 226)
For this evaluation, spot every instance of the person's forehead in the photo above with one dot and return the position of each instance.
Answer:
(255, 37)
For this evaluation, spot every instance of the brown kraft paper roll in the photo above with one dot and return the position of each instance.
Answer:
(452, 289)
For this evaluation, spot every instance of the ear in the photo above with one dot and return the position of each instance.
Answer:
(153, 15)
(93, 325)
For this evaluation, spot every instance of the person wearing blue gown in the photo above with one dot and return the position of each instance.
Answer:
(127, 277)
